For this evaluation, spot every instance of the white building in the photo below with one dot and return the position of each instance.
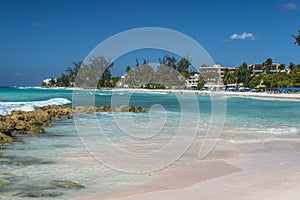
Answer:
(257, 69)
(48, 81)
(211, 75)
(193, 81)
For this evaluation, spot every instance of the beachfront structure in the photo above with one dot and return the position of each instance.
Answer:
(257, 69)
(210, 69)
(49, 81)
(231, 70)
(215, 69)
(193, 81)
(212, 76)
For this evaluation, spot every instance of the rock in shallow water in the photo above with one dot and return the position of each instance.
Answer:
(43, 194)
(33, 122)
(4, 182)
(124, 108)
(5, 138)
(68, 184)
(10, 193)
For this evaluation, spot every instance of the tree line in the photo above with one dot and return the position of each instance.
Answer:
(243, 74)
(97, 73)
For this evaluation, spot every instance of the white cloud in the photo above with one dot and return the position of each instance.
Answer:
(288, 6)
(242, 36)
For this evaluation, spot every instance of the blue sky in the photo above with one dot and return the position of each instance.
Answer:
(40, 39)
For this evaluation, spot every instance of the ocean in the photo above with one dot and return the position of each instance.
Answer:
(107, 152)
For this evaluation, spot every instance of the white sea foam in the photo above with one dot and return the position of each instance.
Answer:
(101, 94)
(7, 107)
(280, 131)
(275, 99)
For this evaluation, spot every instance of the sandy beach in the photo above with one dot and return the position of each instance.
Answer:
(247, 171)
(287, 96)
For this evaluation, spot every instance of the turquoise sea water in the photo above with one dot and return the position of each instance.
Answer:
(72, 150)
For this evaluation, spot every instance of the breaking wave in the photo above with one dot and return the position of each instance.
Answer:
(7, 107)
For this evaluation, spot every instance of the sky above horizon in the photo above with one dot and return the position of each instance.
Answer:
(40, 39)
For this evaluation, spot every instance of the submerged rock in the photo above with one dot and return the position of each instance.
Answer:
(123, 108)
(44, 194)
(4, 182)
(5, 139)
(23, 161)
(126, 108)
(87, 109)
(13, 192)
(68, 184)
(7, 125)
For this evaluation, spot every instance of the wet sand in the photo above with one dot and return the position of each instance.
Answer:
(266, 170)
(287, 96)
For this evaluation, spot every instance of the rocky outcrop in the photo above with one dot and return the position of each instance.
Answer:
(33, 122)
(68, 184)
(124, 108)
(5, 138)
(39, 194)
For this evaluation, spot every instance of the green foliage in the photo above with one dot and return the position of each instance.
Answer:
(155, 86)
(94, 74)
(139, 76)
(266, 66)
(128, 68)
(297, 38)
(181, 66)
(168, 77)
(243, 74)
(254, 81)
(168, 61)
(229, 77)
(200, 84)
(67, 78)
(277, 80)
(281, 67)
(168, 74)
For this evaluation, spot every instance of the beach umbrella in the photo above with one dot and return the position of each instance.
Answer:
(261, 86)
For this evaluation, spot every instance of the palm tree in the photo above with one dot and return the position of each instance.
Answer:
(292, 66)
(267, 65)
(281, 67)
(243, 74)
(169, 61)
(297, 38)
(228, 77)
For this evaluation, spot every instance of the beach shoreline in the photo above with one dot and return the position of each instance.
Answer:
(271, 174)
(278, 96)
(266, 95)
(178, 175)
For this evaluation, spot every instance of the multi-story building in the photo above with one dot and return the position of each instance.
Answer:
(193, 81)
(211, 74)
(257, 69)
(231, 70)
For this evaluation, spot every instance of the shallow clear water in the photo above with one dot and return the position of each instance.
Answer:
(73, 149)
